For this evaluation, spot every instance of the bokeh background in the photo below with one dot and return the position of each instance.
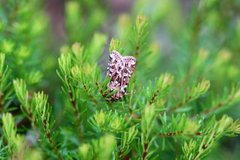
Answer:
(32, 33)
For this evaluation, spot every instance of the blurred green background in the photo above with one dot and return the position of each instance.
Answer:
(193, 39)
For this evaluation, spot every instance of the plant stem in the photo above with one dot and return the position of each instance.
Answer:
(145, 150)
(109, 102)
(90, 95)
(75, 108)
(154, 96)
(178, 133)
(2, 103)
(219, 105)
(52, 143)
(180, 104)
(137, 49)
(121, 156)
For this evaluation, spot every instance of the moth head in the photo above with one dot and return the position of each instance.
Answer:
(115, 55)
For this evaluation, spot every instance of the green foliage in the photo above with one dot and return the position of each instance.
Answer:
(9, 130)
(170, 110)
(3, 150)
(22, 94)
(101, 149)
(5, 86)
(17, 146)
(20, 37)
(83, 18)
(196, 149)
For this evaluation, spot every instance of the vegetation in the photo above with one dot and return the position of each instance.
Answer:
(182, 101)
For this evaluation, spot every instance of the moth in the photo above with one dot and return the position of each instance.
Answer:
(120, 69)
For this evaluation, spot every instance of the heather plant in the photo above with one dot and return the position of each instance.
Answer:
(181, 104)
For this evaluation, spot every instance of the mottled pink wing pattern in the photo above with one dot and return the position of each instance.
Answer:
(120, 69)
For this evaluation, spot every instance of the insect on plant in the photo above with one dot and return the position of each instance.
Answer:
(120, 69)
(174, 93)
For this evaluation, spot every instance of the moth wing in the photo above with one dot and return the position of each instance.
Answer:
(115, 59)
(120, 69)
(129, 67)
(130, 63)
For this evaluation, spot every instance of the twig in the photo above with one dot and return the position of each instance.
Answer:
(145, 150)
(50, 139)
(178, 133)
(124, 157)
(154, 96)
(34, 125)
(137, 49)
(185, 101)
(109, 102)
(2, 102)
(90, 95)
(219, 105)
(75, 108)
